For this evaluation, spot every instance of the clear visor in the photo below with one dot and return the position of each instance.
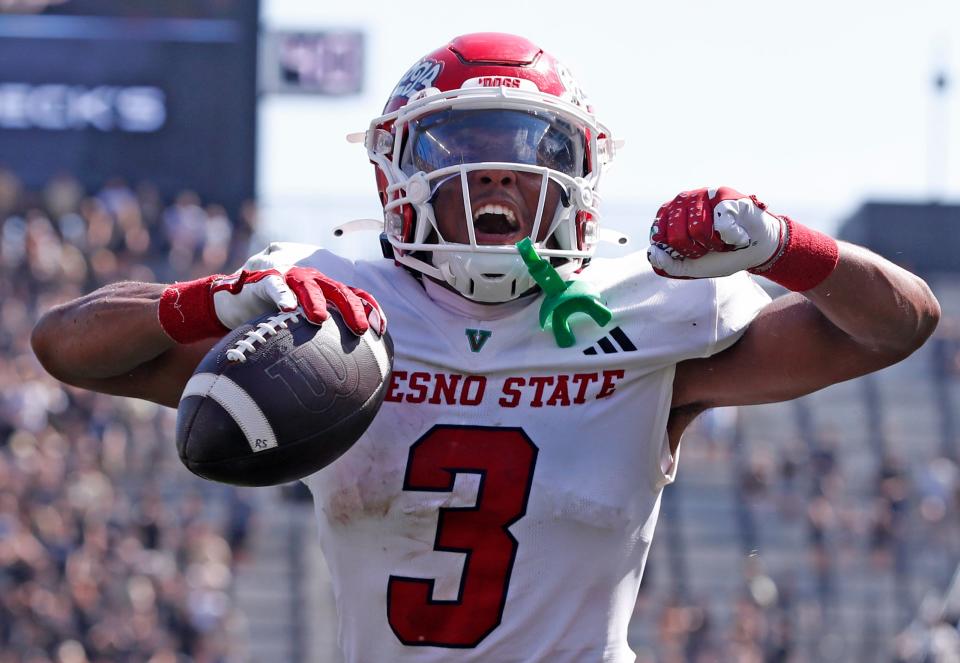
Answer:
(453, 137)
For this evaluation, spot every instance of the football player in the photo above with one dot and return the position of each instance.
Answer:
(502, 503)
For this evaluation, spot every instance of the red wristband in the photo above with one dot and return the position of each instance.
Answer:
(186, 311)
(804, 260)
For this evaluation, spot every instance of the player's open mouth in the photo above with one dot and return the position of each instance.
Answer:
(495, 223)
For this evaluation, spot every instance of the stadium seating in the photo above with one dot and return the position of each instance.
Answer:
(109, 550)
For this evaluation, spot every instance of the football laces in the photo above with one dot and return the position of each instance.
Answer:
(259, 334)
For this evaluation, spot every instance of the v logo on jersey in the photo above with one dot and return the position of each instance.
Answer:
(477, 338)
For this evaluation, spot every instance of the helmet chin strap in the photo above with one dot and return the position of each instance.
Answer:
(484, 277)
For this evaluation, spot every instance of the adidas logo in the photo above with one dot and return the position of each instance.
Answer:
(617, 341)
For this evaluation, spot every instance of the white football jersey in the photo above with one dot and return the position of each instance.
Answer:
(501, 505)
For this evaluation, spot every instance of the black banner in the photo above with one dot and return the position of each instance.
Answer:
(166, 96)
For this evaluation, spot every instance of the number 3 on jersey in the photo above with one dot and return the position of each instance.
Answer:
(504, 459)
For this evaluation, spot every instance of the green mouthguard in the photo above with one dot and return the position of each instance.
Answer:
(562, 299)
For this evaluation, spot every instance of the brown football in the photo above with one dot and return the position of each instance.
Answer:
(279, 398)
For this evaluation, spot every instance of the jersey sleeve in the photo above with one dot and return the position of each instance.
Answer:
(737, 301)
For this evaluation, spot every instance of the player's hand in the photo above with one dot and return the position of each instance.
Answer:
(249, 294)
(713, 232)
(359, 310)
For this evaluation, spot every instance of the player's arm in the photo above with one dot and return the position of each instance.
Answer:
(868, 314)
(855, 312)
(145, 340)
(111, 341)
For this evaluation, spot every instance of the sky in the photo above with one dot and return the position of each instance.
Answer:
(814, 107)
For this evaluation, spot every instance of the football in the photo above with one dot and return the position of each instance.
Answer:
(280, 398)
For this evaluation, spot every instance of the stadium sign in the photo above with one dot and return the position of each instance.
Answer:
(142, 93)
(60, 107)
(323, 63)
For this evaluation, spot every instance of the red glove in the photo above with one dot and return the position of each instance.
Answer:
(709, 233)
(211, 306)
(360, 311)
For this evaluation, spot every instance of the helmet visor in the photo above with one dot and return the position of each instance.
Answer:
(536, 137)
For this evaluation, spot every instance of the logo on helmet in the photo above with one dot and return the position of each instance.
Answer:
(420, 76)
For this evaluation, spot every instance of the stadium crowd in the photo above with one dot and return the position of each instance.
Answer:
(110, 551)
(836, 563)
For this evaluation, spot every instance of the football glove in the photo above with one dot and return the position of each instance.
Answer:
(211, 306)
(709, 233)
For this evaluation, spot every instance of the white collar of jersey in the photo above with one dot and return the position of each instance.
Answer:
(456, 303)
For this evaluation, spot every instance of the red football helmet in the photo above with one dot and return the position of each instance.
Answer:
(487, 101)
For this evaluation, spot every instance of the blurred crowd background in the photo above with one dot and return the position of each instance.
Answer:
(108, 550)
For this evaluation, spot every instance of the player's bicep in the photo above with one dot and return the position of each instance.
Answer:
(160, 380)
(790, 349)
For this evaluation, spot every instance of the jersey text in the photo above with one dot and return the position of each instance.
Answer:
(560, 390)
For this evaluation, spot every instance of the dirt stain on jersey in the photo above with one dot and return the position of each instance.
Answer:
(367, 483)
(580, 507)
